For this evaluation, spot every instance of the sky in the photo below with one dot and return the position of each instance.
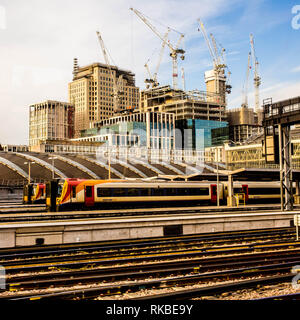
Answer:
(40, 38)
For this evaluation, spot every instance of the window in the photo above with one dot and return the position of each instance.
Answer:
(101, 192)
(199, 191)
(73, 191)
(183, 191)
(145, 192)
(88, 191)
(133, 192)
(157, 192)
(122, 192)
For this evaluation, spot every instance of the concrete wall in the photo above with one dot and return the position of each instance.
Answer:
(28, 234)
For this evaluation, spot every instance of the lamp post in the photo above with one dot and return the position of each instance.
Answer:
(29, 162)
(107, 153)
(53, 158)
(217, 160)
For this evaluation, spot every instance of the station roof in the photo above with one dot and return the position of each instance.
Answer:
(252, 174)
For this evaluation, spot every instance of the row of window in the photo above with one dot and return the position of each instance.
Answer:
(144, 192)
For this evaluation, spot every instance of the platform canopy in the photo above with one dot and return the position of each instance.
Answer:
(245, 174)
(260, 174)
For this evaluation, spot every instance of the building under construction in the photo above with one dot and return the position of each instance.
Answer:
(185, 105)
(244, 124)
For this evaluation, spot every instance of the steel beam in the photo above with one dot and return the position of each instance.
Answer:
(285, 161)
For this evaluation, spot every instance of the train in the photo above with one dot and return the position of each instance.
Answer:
(34, 193)
(82, 194)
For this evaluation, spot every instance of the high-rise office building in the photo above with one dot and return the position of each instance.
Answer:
(50, 120)
(92, 89)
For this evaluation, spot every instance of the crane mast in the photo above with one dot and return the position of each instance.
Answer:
(153, 79)
(257, 79)
(218, 58)
(116, 84)
(173, 51)
(245, 88)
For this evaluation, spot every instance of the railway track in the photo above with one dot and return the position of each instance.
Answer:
(150, 250)
(119, 274)
(265, 274)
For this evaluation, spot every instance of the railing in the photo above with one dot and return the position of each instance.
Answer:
(152, 155)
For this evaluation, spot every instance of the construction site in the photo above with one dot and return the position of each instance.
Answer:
(159, 191)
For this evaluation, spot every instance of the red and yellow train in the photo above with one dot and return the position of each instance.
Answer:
(81, 194)
(34, 193)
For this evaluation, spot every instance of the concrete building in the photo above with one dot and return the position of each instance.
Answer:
(216, 83)
(185, 105)
(244, 124)
(91, 92)
(50, 120)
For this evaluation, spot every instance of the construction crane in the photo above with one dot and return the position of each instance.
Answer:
(152, 80)
(245, 87)
(257, 79)
(183, 79)
(117, 91)
(174, 50)
(218, 58)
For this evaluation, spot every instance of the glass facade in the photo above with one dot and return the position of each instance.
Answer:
(198, 134)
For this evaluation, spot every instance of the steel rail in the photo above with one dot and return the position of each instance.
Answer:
(166, 282)
(142, 271)
(232, 254)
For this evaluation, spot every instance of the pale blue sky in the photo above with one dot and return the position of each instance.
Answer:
(40, 38)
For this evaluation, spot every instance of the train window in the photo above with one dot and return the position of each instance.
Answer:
(171, 191)
(59, 189)
(199, 191)
(73, 191)
(104, 192)
(88, 191)
(145, 192)
(133, 192)
(120, 192)
(157, 192)
(263, 191)
(183, 191)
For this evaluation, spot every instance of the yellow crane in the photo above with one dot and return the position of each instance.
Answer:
(174, 50)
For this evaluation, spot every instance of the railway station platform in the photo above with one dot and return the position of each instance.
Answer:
(30, 233)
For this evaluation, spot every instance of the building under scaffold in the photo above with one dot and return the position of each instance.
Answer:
(184, 104)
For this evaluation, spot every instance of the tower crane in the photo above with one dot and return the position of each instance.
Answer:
(174, 50)
(218, 58)
(117, 91)
(245, 87)
(257, 79)
(153, 79)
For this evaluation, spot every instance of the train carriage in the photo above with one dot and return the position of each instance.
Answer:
(34, 193)
(82, 194)
(87, 194)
